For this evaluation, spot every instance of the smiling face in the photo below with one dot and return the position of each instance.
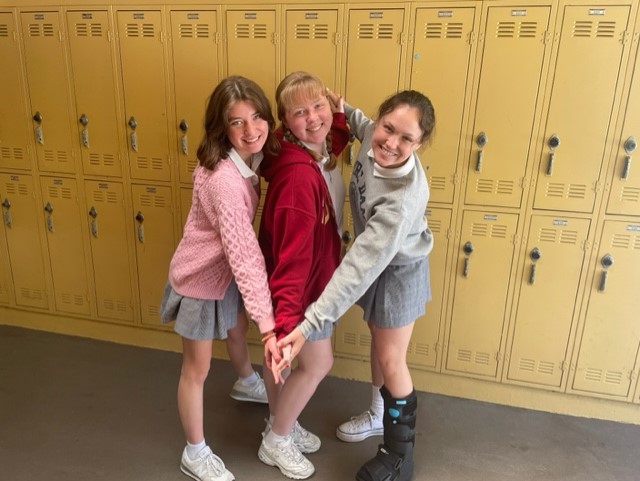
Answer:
(246, 129)
(309, 119)
(396, 136)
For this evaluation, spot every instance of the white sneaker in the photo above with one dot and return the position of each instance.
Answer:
(287, 458)
(304, 440)
(360, 428)
(256, 392)
(206, 467)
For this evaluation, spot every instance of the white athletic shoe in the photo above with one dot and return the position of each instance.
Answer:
(206, 467)
(360, 428)
(287, 458)
(304, 440)
(256, 392)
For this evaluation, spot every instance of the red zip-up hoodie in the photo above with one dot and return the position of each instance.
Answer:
(298, 232)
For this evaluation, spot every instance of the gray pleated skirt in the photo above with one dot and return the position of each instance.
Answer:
(398, 296)
(201, 319)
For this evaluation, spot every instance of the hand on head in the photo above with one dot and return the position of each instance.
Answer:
(336, 101)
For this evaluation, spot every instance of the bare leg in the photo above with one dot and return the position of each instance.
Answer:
(391, 354)
(196, 361)
(237, 347)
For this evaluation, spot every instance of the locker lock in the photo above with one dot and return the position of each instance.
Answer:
(183, 125)
(535, 254)
(132, 123)
(84, 120)
(606, 261)
(6, 203)
(37, 117)
(140, 217)
(346, 237)
(482, 139)
(630, 145)
(93, 212)
(468, 247)
(554, 141)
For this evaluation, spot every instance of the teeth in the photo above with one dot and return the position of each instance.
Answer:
(314, 129)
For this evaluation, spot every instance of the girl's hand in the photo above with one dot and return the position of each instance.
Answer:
(295, 340)
(273, 357)
(336, 102)
(284, 364)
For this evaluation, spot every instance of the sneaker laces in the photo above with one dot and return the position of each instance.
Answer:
(289, 450)
(214, 464)
(363, 419)
(299, 431)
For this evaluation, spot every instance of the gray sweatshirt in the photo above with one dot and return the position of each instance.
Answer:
(389, 223)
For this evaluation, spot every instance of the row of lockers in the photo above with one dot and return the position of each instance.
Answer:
(534, 196)
(83, 253)
(535, 96)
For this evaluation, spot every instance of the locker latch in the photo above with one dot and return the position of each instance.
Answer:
(553, 143)
(467, 249)
(629, 146)
(48, 208)
(606, 262)
(7, 215)
(37, 117)
(94, 224)
(535, 254)
(133, 137)
(84, 135)
(481, 141)
(184, 126)
(140, 219)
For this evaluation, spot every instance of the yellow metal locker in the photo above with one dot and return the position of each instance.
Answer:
(624, 197)
(424, 347)
(95, 87)
(483, 272)
(5, 270)
(543, 322)
(194, 40)
(607, 359)
(112, 264)
(441, 69)
(21, 217)
(312, 43)
(142, 56)
(513, 50)
(251, 41)
(14, 134)
(61, 214)
(153, 224)
(587, 71)
(48, 91)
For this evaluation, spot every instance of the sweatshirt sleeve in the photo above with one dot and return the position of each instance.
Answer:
(339, 133)
(241, 248)
(358, 121)
(365, 260)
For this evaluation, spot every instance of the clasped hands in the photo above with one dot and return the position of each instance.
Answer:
(280, 354)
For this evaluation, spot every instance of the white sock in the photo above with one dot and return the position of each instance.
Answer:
(194, 449)
(272, 438)
(377, 403)
(249, 380)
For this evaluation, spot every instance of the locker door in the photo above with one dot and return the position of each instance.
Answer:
(195, 74)
(422, 350)
(61, 215)
(577, 122)
(14, 133)
(512, 56)
(625, 185)
(143, 73)
(373, 63)
(97, 119)
(480, 293)
(548, 292)
(5, 267)
(440, 68)
(607, 360)
(46, 74)
(21, 216)
(185, 204)
(107, 224)
(153, 223)
(251, 47)
(313, 31)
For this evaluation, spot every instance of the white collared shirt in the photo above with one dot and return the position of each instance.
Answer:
(393, 172)
(246, 171)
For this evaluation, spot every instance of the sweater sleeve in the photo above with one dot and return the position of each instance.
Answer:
(241, 248)
(365, 260)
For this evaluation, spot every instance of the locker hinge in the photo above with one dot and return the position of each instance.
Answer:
(523, 182)
(546, 37)
(586, 245)
(449, 234)
(402, 38)
(564, 366)
(499, 356)
(337, 39)
(274, 38)
(624, 37)
(455, 179)
(109, 36)
(633, 375)
(217, 38)
(597, 186)
(471, 37)
(162, 36)
(515, 239)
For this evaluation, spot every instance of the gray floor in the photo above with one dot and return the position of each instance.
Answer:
(76, 409)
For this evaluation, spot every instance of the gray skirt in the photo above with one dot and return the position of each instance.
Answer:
(398, 296)
(201, 319)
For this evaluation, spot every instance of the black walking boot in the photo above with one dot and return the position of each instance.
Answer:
(394, 460)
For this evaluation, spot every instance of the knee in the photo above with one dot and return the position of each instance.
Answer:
(195, 372)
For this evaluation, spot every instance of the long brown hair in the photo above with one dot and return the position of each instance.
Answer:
(293, 87)
(215, 144)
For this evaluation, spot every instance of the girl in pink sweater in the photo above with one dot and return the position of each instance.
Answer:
(218, 269)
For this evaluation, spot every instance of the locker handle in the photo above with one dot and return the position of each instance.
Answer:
(550, 162)
(94, 224)
(49, 210)
(606, 262)
(468, 249)
(535, 254)
(479, 160)
(140, 219)
(84, 135)
(626, 168)
(7, 215)
(629, 146)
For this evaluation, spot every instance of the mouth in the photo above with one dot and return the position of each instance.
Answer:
(314, 128)
(386, 152)
(252, 140)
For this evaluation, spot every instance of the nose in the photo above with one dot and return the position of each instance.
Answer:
(250, 127)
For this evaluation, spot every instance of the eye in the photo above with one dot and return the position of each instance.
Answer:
(387, 128)
(257, 116)
(298, 112)
(235, 123)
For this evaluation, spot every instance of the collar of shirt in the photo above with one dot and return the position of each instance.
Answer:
(324, 153)
(246, 171)
(395, 172)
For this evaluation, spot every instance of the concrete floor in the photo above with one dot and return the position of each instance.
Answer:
(76, 409)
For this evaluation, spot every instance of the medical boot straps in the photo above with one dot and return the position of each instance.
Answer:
(394, 460)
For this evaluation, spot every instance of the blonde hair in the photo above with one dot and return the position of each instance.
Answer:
(295, 86)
